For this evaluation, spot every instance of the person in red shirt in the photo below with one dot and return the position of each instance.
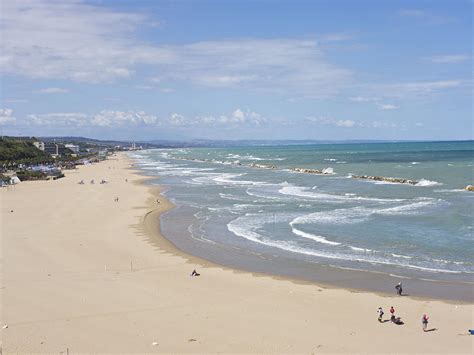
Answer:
(392, 312)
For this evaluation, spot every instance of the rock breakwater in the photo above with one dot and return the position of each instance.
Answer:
(386, 179)
(313, 171)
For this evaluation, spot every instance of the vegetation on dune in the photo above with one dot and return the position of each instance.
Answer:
(21, 151)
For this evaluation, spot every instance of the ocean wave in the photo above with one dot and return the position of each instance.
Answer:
(246, 228)
(303, 192)
(316, 238)
(424, 182)
(226, 178)
(230, 197)
(407, 209)
(252, 157)
(337, 216)
(330, 159)
(364, 250)
(328, 171)
(362, 214)
(450, 190)
(252, 192)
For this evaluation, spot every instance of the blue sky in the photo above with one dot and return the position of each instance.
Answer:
(237, 69)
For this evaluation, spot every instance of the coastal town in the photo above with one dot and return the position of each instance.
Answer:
(26, 158)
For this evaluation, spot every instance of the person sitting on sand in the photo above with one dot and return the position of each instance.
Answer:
(424, 321)
(380, 312)
(195, 273)
(399, 288)
(397, 321)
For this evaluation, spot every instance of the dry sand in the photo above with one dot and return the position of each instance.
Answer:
(84, 273)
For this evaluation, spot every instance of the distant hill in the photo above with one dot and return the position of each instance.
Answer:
(20, 149)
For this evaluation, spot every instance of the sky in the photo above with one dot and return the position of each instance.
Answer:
(237, 69)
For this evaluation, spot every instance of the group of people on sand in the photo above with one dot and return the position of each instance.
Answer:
(398, 320)
(393, 319)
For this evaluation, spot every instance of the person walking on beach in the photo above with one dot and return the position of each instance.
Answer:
(424, 322)
(399, 288)
(380, 313)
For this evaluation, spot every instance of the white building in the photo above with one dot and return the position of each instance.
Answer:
(39, 145)
(72, 147)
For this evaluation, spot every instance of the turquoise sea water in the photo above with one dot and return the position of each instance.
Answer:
(423, 231)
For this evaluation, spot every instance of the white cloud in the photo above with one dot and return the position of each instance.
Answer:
(414, 89)
(446, 59)
(377, 124)
(363, 99)
(89, 43)
(52, 91)
(59, 119)
(105, 118)
(177, 120)
(111, 118)
(321, 120)
(6, 116)
(235, 118)
(124, 119)
(387, 107)
(14, 101)
(424, 16)
(70, 40)
(331, 121)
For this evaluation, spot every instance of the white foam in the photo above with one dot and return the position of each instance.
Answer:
(337, 216)
(401, 256)
(361, 214)
(300, 191)
(227, 179)
(316, 238)
(328, 171)
(424, 182)
(365, 250)
(246, 227)
(406, 209)
(252, 157)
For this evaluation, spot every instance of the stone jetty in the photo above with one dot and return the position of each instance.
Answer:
(386, 179)
(262, 166)
(311, 171)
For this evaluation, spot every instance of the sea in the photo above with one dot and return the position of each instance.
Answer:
(247, 207)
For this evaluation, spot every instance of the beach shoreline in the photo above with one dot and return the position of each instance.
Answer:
(74, 262)
(323, 275)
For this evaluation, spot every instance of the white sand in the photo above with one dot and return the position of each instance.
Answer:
(67, 282)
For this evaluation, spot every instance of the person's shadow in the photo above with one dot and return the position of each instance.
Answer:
(431, 330)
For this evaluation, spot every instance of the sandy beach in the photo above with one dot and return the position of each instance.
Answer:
(83, 273)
